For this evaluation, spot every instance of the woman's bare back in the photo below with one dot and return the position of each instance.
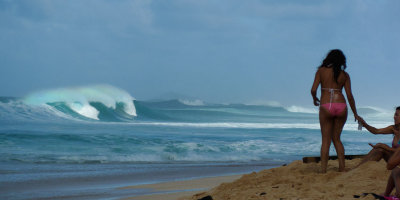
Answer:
(328, 82)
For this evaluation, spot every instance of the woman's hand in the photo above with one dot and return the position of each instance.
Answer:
(316, 101)
(377, 145)
(360, 120)
(357, 118)
(380, 145)
(373, 146)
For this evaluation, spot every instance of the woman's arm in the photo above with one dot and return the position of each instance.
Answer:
(349, 94)
(314, 88)
(387, 130)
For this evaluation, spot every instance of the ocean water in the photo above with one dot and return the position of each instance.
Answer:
(83, 143)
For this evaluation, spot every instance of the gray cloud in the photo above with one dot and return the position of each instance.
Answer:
(214, 50)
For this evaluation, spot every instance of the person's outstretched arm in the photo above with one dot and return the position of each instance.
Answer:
(349, 94)
(387, 130)
(314, 88)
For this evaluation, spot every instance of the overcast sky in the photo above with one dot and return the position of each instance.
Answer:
(216, 51)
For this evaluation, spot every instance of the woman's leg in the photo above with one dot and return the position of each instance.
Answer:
(338, 124)
(396, 178)
(373, 155)
(386, 155)
(376, 154)
(326, 123)
(389, 185)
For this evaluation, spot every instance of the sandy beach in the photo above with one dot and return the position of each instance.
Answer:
(294, 181)
(177, 189)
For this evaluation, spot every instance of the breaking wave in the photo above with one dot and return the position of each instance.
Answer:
(106, 103)
(299, 109)
(88, 102)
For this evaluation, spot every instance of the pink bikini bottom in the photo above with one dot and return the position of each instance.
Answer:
(335, 108)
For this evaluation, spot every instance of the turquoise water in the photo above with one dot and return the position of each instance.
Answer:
(108, 139)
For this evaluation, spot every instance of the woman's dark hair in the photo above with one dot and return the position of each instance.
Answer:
(398, 108)
(336, 59)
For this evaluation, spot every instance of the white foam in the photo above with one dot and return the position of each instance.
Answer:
(19, 110)
(351, 126)
(196, 102)
(379, 113)
(299, 109)
(79, 98)
(85, 110)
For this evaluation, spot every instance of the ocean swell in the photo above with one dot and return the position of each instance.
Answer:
(86, 102)
(109, 104)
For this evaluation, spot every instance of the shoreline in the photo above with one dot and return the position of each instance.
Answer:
(295, 180)
(93, 181)
(178, 189)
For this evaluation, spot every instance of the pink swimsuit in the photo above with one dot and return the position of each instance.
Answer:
(334, 108)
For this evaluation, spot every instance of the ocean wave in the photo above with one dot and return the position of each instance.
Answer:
(300, 109)
(196, 102)
(351, 126)
(85, 110)
(118, 149)
(264, 103)
(376, 112)
(18, 110)
(109, 104)
(81, 99)
(150, 151)
(232, 125)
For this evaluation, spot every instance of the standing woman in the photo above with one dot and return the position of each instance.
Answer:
(333, 109)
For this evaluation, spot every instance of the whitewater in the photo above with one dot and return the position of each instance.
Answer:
(103, 135)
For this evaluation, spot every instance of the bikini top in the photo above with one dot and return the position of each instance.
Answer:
(332, 91)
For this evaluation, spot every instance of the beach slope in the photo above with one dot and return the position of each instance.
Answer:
(303, 181)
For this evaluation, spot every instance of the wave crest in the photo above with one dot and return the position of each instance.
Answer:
(299, 109)
(196, 102)
(79, 99)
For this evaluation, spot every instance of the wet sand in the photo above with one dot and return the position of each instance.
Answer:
(175, 189)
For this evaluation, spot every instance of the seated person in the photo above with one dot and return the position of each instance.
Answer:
(380, 150)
